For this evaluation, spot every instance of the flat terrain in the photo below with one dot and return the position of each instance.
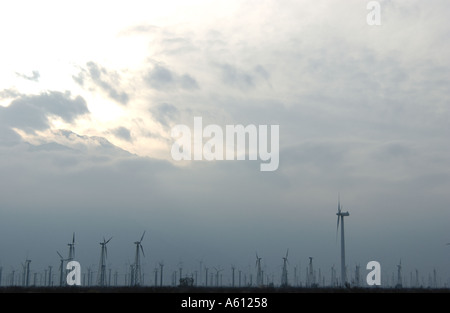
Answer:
(224, 290)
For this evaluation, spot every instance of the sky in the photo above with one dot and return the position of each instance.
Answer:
(89, 93)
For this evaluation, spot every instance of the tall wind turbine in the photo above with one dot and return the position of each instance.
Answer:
(137, 262)
(340, 218)
(101, 275)
(258, 271)
(284, 275)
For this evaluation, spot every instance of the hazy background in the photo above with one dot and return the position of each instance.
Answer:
(90, 90)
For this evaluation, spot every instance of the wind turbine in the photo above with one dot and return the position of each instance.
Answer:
(217, 275)
(180, 264)
(258, 272)
(310, 273)
(233, 268)
(137, 262)
(284, 275)
(399, 275)
(26, 273)
(101, 275)
(201, 269)
(161, 265)
(61, 269)
(50, 276)
(333, 276)
(12, 277)
(357, 275)
(340, 218)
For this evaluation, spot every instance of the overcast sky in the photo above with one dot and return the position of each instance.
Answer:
(89, 92)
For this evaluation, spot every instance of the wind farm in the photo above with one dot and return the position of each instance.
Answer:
(146, 274)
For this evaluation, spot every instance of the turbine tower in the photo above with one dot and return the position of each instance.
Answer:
(284, 275)
(218, 270)
(233, 268)
(137, 262)
(61, 270)
(101, 275)
(49, 276)
(258, 271)
(399, 275)
(26, 273)
(340, 219)
(333, 277)
(357, 275)
(310, 273)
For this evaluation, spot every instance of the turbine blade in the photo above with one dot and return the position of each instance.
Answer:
(73, 238)
(108, 240)
(287, 252)
(339, 202)
(142, 236)
(59, 255)
(106, 252)
(142, 249)
(337, 228)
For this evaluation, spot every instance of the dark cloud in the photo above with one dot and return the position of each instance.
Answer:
(234, 77)
(31, 113)
(34, 77)
(122, 133)
(164, 113)
(242, 79)
(187, 82)
(160, 77)
(107, 81)
(79, 79)
(260, 70)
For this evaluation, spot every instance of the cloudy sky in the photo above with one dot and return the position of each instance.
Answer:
(89, 93)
